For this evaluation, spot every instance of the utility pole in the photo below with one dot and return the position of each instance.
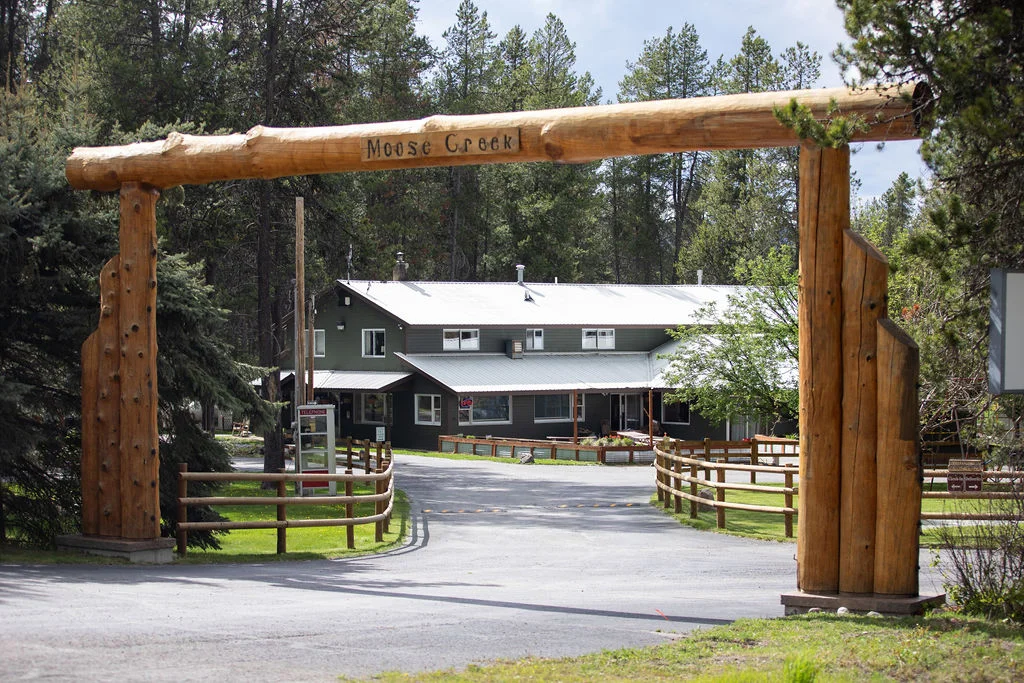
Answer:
(299, 395)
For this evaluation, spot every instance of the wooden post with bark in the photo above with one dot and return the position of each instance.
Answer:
(824, 215)
(865, 272)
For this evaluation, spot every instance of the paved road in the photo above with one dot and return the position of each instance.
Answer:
(532, 574)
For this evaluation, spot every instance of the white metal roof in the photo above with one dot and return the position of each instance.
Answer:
(509, 304)
(351, 380)
(537, 372)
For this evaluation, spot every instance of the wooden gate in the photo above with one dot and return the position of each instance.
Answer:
(858, 372)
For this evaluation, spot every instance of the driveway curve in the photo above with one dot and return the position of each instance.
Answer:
(502, 561)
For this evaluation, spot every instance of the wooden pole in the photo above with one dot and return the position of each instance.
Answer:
(282, 516)
(865, 272)
(299, 394)
(181, 532)
(139, 437)
(561, 135)
(350, 530)
(899, 463)
(310, 348)
(101, 414)
(824, 214)
(575, 422)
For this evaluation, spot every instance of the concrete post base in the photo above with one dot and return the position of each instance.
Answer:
(151, 551)
(862, 603)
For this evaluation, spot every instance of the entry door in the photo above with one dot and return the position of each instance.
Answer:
(626, 412)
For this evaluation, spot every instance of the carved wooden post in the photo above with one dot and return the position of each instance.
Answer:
(865, 272)
(824, 214)
(899, 463)
(140, 458)
(101, 414)
(120, 444)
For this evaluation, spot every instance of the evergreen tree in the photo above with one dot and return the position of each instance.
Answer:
(657, 191)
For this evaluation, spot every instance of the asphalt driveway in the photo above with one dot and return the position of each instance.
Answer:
(503, 561)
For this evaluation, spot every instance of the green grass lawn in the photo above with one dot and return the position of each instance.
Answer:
(249, 545)
(815, 647)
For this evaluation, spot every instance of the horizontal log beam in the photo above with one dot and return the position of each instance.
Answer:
(560, 135)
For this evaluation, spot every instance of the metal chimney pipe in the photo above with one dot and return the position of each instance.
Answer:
(520, 268)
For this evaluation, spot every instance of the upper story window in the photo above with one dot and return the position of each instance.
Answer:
(461, 340)
(535, 340)
(319, 343)
(373, 343)
(598, 338)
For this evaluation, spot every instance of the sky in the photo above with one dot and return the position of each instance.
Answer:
(610, 33)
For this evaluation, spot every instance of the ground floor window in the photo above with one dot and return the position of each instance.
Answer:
(428, 409)
(485, 410)
(371, 408)
(556, 408)
(674, 412)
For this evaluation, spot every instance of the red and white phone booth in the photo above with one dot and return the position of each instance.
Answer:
(315, 448)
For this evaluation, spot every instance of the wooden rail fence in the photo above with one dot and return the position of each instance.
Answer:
(1015, 494)
(685, 467)
(550, 449)
(379, 472)
(679, 463)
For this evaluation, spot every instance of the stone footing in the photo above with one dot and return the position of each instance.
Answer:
(153, 551)
(861, 603)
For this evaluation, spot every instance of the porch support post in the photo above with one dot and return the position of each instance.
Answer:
(824, 212)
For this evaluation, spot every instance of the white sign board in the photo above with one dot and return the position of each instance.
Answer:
(380, 435)
(1006, 333)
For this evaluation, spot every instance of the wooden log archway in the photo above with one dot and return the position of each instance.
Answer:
(844, 438)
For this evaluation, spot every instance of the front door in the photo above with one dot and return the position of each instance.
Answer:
(625, 412)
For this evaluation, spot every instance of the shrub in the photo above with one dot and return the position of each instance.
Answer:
(983, 564)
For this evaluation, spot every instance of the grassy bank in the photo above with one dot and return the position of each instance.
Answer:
(815, 647)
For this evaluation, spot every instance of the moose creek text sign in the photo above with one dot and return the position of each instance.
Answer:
(440, 144)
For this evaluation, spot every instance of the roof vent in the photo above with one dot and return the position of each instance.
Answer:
(519, 273)
(400, 273)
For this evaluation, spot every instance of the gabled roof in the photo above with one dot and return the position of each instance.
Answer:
(510, 304)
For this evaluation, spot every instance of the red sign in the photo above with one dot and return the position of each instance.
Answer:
(305, 412)
(466, 402)
(315, 484)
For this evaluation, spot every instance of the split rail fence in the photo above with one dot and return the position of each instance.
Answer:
(378, 472)
(547, 450)
(685, 468)
(679, 465)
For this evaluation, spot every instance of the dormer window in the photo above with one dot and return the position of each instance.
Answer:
(598, 338)
(461, 340)
(534, 340)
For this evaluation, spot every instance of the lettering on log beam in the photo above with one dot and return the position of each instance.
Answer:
(440, 144)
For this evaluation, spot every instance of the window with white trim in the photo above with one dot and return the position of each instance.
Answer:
(674, 412)
(485, 410)
(373, 343)
(371, 408)
(319, 343)
(535, 340)
(556, 408)
(428, 409)
(598, 338)
(460, 340)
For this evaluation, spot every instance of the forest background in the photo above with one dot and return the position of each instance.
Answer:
(85, 73)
